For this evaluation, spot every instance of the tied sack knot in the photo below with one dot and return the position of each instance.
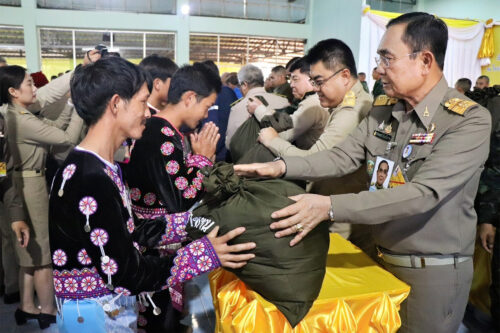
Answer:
(221, 182)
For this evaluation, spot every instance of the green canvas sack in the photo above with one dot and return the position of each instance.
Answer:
(288, 277)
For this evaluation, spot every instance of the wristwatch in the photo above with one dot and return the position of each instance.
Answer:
(279, 158)
(330, 214)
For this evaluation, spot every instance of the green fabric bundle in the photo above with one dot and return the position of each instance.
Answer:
(289, 277)
(244, 146)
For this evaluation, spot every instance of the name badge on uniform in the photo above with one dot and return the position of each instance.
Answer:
(422, 138)
(383, 131)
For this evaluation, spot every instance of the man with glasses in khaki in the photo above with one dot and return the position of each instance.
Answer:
(424, 224)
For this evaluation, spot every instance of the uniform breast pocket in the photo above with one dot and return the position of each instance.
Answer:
(417, 158)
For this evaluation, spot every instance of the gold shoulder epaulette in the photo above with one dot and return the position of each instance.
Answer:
(236, 101)
(384, 100)
(459, 105)
(22, 111)
(349, 99)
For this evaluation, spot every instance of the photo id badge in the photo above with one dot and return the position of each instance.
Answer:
(381, 174)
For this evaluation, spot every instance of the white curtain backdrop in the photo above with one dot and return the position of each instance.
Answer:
(461, 54)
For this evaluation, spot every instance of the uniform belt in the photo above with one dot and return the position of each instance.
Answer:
(29, 173)
(420, 261)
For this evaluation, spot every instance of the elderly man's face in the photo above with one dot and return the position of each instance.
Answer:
(402, 71)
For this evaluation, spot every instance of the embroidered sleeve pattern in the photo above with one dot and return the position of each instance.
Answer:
(192, 260)
(197, 161)
(175, 228)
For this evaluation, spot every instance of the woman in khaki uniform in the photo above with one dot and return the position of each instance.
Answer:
(29, 140)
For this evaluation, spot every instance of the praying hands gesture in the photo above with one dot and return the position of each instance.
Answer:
(205, 141)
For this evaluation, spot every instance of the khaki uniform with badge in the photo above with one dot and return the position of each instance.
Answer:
(239, 113)
(309, 121)
(343, 120)
(425, 225)
(29, 140)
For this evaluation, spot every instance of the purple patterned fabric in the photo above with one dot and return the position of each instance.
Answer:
(79, 284)
(198, 161)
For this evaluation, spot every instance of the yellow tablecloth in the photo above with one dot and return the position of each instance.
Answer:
(357, 296)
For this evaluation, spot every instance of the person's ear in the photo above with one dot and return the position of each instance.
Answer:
(189, 98)
(13, 92)
(115, 104)
(427, 60)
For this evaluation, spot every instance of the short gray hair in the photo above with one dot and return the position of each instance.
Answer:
(252, 75)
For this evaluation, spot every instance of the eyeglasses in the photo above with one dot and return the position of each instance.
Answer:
(319, 83)
(386, 61)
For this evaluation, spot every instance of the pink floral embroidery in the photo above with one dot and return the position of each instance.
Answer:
(58, 285)
(149, 199)
(198, 183)
(190, 192)
(190, 170)
(130, 225)
(99, 237)
(83, 257)
(198, 161)
(196, 248)
(137, 247)
(71, 285)
(181, 183)
(167, 131)
(199, 174)
(135, 194)
(204, 263)
(172, 167)
(89, 283)
(59, 258)
(111, 267)
(188, 264)
(88, 206)
(69, 171)
(175, 229)
(123, 291)
(167, 148)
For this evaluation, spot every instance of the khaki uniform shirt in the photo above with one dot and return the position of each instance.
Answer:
(309, 122)
(433, 212)
(31, 136)
(342, 121)
(239, 113)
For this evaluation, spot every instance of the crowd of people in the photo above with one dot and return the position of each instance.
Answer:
(100, 169)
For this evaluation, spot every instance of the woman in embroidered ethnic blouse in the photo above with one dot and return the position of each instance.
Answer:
(93, 235)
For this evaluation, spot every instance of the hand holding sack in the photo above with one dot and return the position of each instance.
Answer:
(289, 277)
(244, 146)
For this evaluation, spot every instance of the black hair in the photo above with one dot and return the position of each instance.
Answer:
(279, 70)
(334, 54)
(291, 61)
(232, 78)
(484, 77)
(380, 163)
(10, 77)
(361, 73)
(198, 78)
(300, 64)
(158, 67)
(211, 65)
(464, 83)
(424, 32)
(93, 85)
